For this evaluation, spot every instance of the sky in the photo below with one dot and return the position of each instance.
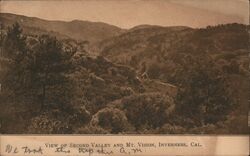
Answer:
(130, 13)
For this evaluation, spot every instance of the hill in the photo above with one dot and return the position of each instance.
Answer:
(141, 42)
(76, 29)
(145, 46)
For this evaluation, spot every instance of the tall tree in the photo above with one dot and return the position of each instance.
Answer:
(14, 44)
(50, 66)
(14, 54)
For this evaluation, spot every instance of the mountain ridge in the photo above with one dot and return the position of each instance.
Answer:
(75, 29)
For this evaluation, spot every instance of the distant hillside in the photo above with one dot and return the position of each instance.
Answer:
(76, 29)
(146, 26)
(146, 45)
(142, 43)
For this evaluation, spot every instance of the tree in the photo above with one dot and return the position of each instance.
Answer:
(13, 77)
(14, 58)
(202, 94)
(50, 67)
(2, 36)
(14, 44)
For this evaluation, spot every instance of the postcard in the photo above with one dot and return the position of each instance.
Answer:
(124, 77)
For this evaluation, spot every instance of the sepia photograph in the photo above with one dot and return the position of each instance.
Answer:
(124, 67)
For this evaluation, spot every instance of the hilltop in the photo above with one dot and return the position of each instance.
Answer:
(76, 29)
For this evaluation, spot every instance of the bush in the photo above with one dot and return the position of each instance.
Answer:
(90, 129)
(80, 116)
(206, 129)
(150, 109)
(47, 124)
(111, 119)
(171, 129)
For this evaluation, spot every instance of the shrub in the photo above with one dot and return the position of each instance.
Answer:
(150, 109)
(111, 119)
(90, 129)
(171, 129)
(47, 124)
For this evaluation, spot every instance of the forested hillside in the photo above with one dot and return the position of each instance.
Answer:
(148, 80)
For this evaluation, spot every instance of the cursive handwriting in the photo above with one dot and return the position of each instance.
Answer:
(130, 151)
(11, 149)
(28, 150)
(86, 150)
(136, 150)
(62, 150)
(103, 151)
(82, 150)
(100, 151)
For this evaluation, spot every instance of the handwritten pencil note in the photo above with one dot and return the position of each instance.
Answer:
(121, 145)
